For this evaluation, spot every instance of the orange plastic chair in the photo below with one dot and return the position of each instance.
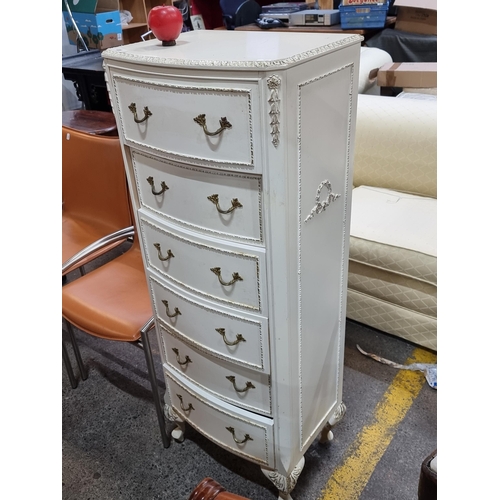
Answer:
(96, 203)
(96, 215)
(112, 302)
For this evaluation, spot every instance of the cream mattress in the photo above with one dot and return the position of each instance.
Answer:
(400, 290)
(396, 144)
(396, 219)
(409, 325)
(392, 278)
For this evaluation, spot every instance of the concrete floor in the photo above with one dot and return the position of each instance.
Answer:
(111, 445)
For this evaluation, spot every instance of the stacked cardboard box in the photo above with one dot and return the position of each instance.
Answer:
(417, 16)
(411, 75)
(97, 20)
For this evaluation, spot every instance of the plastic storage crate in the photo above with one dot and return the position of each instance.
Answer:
(363, 16)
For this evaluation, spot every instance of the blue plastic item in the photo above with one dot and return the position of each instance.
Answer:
(363, 16)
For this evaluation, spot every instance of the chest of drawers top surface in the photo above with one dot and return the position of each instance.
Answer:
(219, 49)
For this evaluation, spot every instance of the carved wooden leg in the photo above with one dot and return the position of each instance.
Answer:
(178, 433)
(209, 489)
(338, 415)
(285, 484)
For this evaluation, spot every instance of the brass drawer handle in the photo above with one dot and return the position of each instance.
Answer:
(201, 120)
(187, 359)
(167, 310)
(217, 271)
(147, 113)
(214, 198)
(169, 253)
(189, 408)
(239, 337)
(244, 440)
(164, 187)
(232, 379)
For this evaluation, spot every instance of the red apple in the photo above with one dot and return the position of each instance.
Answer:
(165, 21)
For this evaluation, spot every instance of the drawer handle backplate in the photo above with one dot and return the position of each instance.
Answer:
(169, 253)
(201, 120)
(167, 310)
(232, 379)
(164, 187)
(239, 337)
(147, 113)
(189, 408)
(237, 441)
(187, 359)
(214, 198)
(217, 271)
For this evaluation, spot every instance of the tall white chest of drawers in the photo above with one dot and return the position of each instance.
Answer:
(238, 148)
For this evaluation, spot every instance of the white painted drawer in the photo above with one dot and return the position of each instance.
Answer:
(228, 273)
(239, 338)
(198, 197)
(161, 114)
(244, 388)
(223, 423)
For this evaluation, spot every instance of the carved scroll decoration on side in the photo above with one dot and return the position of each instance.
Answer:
(274, 84)
(322, 205)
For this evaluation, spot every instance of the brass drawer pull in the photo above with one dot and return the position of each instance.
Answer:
(147, 113)
(201, 120)
(217, 271)
(169, 253)
(232, 379)
(164, 187)
(244, 440)
(187, 359)
(214, 198)
(239, 337)
(189, 408)
(167, 310)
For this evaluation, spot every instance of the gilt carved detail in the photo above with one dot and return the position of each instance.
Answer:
(274, 84)
(321, 206)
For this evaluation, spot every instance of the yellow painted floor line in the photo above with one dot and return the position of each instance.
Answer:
(349, 479)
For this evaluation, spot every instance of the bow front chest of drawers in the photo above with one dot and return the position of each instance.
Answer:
(238, 148)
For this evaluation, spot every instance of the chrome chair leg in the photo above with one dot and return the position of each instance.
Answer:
(146, 347)
(69, 369)
(78, 356)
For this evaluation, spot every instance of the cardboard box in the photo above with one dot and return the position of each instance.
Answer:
(98, 21)
(417, 16)
(415, 75)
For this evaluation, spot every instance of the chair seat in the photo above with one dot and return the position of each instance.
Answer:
(116, 305)
(90, 121)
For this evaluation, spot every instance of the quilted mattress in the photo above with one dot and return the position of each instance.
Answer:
(392, 279)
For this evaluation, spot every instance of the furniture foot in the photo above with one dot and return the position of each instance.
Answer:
(178, 432)
(326, 433)
(285, 484)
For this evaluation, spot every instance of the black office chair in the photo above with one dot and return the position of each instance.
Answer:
(239, 12)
